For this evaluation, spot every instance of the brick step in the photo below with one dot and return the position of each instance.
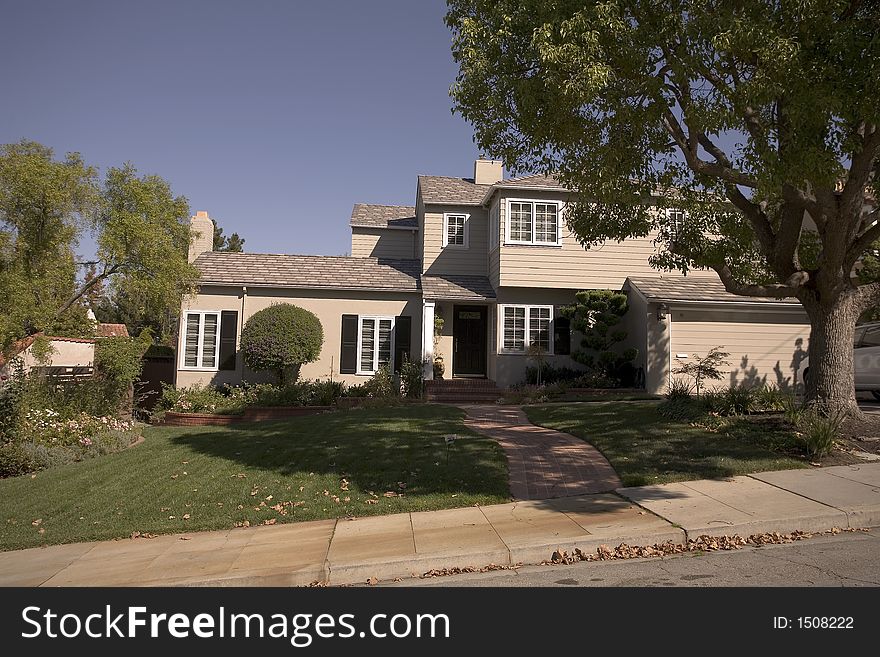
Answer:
(457, 399)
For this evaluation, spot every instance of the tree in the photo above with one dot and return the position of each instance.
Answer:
(46, 206)
(758, 119)
(281, 338)
(233, 243)
(596, 315)
(705, 368)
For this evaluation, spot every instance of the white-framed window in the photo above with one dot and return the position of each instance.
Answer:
(494, 226)
(674, 221)
(375, 343)
(533, 222)
(524, 326)
(201, 340)
(455, 230)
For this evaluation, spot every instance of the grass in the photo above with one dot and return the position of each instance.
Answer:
(201, 478)
(646, 448)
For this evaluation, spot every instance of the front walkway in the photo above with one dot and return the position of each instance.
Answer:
(543, 463)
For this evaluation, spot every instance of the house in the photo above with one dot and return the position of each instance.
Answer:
(493, 258)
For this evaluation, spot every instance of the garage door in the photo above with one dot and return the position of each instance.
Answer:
(764, 347)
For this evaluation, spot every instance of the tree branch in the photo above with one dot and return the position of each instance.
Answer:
(774, 290)
(88, 285)
(860, 170)
(861, 244)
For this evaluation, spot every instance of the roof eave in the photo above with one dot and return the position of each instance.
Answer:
(411, 228)
(541, 188)
(410, 290)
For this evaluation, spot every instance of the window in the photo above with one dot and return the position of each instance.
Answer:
(375, 343)
(562, 336)
(201, 344)
(524, 326)
(674, 222)
(532, 222)
(455, 230)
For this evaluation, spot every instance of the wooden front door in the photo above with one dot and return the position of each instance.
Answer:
(469, 341)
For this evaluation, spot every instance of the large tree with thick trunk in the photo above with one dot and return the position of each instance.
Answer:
(758, 118)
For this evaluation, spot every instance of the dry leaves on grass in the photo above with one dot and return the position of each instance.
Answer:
(135, 535)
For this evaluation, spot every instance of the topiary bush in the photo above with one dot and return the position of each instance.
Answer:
(280, 339)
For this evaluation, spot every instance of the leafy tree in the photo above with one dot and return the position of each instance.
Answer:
(703, 368)
(233, 243)
(46, 206)
(759, 119)
(281, 338)
(597, 315)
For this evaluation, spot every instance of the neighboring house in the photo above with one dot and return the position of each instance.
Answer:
(494, 258)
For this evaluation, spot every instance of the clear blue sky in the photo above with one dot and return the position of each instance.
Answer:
(274, 116)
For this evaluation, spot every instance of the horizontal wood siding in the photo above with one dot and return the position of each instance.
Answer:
(439, 260)
(382, 243)
(605, 266)
(764, 347)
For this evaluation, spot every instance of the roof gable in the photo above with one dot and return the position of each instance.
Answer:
(368, 215)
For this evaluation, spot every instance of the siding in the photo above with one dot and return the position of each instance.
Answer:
(328, 305)
(439, 260)
(571, 266)
(383, 243)
(764, 347)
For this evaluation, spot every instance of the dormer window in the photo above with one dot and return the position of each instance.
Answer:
(674, 222)
(455, 230)
(533, 222)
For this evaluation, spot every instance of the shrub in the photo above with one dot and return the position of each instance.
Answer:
(703, 368)
(15, 460)
(771, 398)
(819, 431)
(678, 389)
(736, 400)
(792, 409)
(685, 409)
(552, 374)
(193, 399)
(411, 378)
(597, 315)
(381, 384)
(280, 339)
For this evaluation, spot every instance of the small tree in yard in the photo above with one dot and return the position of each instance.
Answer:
(596, 316)
(759, 120)
(280, 339)
(705, 368)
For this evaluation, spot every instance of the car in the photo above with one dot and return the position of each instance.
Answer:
(866, 352)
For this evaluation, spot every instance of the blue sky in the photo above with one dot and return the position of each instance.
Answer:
(274, 116)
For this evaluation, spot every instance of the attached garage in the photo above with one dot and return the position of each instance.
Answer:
(673, 320)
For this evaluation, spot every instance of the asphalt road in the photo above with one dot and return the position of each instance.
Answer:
(849, 559)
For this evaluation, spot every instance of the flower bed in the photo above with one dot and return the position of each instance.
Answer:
(254, 414)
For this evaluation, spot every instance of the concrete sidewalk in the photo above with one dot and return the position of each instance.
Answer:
(386, 547)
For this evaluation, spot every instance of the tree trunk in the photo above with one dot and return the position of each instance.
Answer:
(830, 375)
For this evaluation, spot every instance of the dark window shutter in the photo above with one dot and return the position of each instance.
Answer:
(228, 335)
(562, 336)
(348, 355)
(402, 340)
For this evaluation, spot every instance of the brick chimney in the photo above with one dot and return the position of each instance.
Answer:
(202, 231)
(488, 172)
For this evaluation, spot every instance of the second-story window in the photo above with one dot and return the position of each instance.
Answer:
(675, 221)
(455, 230)
(533, 222)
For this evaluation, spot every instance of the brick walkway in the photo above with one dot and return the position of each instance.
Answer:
(543, 463)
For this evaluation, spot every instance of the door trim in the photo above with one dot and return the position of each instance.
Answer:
(484, 367)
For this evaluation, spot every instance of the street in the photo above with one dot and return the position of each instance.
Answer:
(848, 559)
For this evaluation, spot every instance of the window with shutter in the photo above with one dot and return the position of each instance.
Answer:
(228, 338)
(201, 340)
(402, 340)
(349, 355)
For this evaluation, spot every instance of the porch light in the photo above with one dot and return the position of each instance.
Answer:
(662, 311)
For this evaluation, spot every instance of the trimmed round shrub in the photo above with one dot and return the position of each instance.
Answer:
(280, 339)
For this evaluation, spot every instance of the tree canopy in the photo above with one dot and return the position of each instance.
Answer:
(47, 206)
(233, 243)
(757, 118)
(280, 339)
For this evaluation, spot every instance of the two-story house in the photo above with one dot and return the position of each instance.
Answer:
(493, 258)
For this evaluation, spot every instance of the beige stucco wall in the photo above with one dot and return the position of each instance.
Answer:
(64, 354)
(510, 369)
(765, 347)
(570, 265)
(328, 305)
(383, 243)
(438, 259)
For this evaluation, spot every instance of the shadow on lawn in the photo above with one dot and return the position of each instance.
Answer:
(372, 452)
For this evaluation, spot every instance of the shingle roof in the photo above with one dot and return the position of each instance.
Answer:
(534, 180)
(111, 331)
(307, 271)
(384, 216)
(457, 287)
(684, 288)
(458, 191)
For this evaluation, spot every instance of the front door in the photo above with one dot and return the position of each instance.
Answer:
(469, 341)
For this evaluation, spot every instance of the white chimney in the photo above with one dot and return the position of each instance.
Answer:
(488, 172)
(202, 234)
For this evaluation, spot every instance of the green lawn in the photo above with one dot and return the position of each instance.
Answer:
(199, 478)
(646, 448)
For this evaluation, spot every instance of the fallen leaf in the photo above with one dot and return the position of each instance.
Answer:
(37, 522)
(269, 498)
(185, 538)
(174, 476)
(33, 476)
(389, 493)
(270, 521)
(186, 516)
(41, 530)
(372, 581)
(243, 523)
(371, 501)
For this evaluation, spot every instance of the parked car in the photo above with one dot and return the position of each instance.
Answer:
(867, 359)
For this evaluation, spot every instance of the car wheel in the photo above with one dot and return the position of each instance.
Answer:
(876, 394)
